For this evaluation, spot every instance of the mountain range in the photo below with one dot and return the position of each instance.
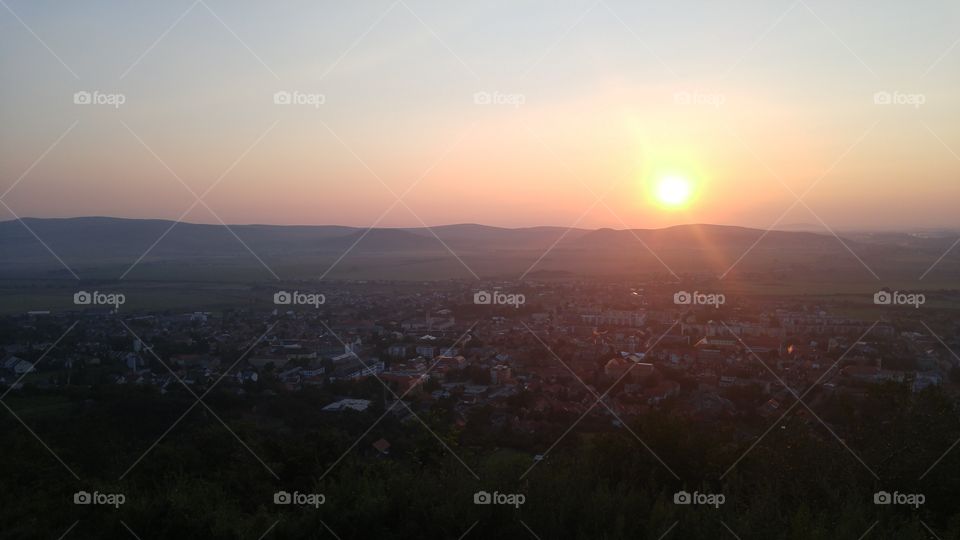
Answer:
(105, 248)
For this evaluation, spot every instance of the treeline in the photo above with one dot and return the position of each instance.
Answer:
(200, 481)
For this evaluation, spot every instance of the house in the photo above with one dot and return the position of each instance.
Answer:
(501, 374)
(661, 391)
(400, 410)
(17, 365)
(355, 368)
(447, 362)
(358, 405)
(707, 405)
(426, 351)
(132, 361)
(762, 346)
(618, 367)
(862, 373)
(444, 322)
(726, 381)
(260, 362)
(397, 350)
(313, 377)
(769, 408)
(23, 367)
(195, 360)
(616, 317)
(382, 446)
(926, 380)
(291, 378)
(406, 383)
(474, 393)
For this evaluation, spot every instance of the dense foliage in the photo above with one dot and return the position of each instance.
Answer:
(200, 481)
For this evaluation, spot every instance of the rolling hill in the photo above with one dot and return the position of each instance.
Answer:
(106, 248)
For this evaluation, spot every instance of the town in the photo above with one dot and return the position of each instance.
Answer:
(501, 357)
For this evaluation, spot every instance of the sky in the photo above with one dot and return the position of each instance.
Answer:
(840, 115)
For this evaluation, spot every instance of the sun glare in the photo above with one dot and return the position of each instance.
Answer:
(673, 191)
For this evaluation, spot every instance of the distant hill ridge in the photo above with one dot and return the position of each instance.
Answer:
(107, 234)
(107, 246)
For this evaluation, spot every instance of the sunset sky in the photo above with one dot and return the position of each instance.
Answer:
(743, 101)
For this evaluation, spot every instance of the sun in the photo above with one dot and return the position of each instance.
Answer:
(673, 191)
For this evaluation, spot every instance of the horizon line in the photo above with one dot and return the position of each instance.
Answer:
(799, 227)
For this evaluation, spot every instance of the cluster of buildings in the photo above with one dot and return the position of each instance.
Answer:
(571, 346)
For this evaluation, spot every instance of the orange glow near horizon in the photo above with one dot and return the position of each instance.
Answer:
(536, 137)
